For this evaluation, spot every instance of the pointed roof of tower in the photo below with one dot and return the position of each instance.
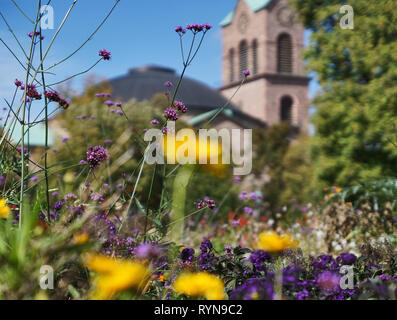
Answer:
(255, 6)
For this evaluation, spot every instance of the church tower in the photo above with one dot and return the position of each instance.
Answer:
(263, 37)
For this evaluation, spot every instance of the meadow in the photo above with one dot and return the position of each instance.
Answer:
(89, 218)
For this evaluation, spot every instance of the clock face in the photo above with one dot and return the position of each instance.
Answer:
(243, 23)
(286, 17)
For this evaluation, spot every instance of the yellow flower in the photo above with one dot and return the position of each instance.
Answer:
(116, 276)
(200, 284)
(195, 149)
(81, 238)
(4, 209)
(272, 242)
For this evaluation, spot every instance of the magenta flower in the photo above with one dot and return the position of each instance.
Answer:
(119, 104)
(105, 54)
(180, 30)
(180, 106)
(95, 155)
(18, 83)
(155, 121)
(171, 114)
(246, 73)
(168, 84)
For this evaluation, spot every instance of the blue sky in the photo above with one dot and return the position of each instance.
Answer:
(138, 33)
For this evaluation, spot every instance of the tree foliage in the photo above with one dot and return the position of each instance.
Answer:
(357, 70)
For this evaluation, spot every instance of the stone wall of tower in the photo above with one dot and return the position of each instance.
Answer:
(260, 96)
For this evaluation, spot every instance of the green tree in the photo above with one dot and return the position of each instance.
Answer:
(357, 70)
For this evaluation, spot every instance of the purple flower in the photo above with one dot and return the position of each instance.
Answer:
(18, 83)
(180, 30)
(254, 289)
(147, 251)
(187, 254)
(243, 195)
(200, 204)
(249, 211)
(64, 139)
(95, 196)
(168, 84)
(171, 114)
(258, 258)
(237, 179)
(109, 103)
(119, 104)
(58, 206)
(105, 54)
(347, 258)
(328, 281)
(95, 155)
(70, 196)
(108, 142)
(210, 203)
(246, 73)
(34, 179)
(180, 106)
(155, 121)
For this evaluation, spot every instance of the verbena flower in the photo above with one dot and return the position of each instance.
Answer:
(246, 73)
(105, 54)
(180, 106)
(70, 196)
(180, 30)
(187, 254)
(171, 114)
(168, 84)
(95, 155)
(58, 206)
(18, 83)
(200, 284)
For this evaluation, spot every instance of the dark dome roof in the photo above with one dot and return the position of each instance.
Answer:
(144, 82)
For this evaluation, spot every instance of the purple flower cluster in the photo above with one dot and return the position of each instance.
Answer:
(35, 34)
(259, 258)
(254, 289)
(187, 254)
(32, 92)
(180, 106)
(54, 96)
(95, 155)
(105, 54)
(200, 204)
(171, 114)
(206, 259)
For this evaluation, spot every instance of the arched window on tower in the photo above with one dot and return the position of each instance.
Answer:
(255, 57)
(286, 109)
(231, 65)
(243, 51)
(284, 54)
